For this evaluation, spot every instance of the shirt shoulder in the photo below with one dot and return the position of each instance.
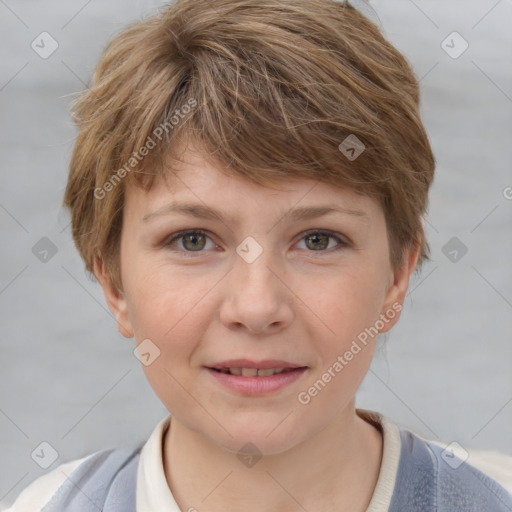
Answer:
(459, 480)
(495, 464)
(431, 477)
(84, 484)
(38, 493)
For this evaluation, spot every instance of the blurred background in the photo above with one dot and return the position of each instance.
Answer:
(69, 379)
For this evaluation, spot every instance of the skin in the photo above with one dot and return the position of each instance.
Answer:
(295, 302)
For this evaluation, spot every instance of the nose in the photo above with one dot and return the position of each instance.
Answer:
(257, 298)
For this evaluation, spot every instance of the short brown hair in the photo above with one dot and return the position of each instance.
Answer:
(277, 86)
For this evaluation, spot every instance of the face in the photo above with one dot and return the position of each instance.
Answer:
(290, 279)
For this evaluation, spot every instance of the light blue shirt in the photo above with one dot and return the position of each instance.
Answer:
(425, 482)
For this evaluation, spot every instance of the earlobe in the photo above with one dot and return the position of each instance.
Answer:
(397, 290)
(116, 299)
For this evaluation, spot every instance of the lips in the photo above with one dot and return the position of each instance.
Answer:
(253, 372)
(248, 368)
(256, 378)
(257, 385)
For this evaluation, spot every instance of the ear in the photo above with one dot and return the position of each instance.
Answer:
(395, 295)
(115, 298)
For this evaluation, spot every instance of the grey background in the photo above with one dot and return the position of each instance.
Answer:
(67, 377)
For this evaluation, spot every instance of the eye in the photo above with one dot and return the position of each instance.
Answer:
(318, 241)
(196, 241)
(192, 241)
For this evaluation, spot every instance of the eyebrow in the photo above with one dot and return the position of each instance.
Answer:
(297, 214)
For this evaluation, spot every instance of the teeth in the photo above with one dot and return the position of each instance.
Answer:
(266, 373)
(253, 372)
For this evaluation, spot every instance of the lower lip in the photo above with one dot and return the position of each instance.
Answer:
(257, 385)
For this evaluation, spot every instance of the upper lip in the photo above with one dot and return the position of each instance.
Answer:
(262, 365)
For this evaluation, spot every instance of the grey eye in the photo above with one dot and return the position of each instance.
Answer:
(194, 241)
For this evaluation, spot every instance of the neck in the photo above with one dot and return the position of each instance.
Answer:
(336, 468)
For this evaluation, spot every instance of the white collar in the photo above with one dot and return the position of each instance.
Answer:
(154, 495)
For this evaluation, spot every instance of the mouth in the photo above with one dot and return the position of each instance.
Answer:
(254, 372)
(249, 368)
(256, 378)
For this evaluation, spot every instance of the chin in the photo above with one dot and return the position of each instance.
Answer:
(266, 434)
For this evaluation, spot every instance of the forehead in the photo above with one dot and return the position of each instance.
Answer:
(196, 180)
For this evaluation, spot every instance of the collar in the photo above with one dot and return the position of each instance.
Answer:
(154, 495)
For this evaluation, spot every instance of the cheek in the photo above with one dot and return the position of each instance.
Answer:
(173, 310)
(167, 309)
(348, 308)
(162, 301)
(347, 303)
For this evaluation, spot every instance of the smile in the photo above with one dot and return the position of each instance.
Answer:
(253, 372)
(256, 381)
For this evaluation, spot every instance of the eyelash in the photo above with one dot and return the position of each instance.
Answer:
(168, 242)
